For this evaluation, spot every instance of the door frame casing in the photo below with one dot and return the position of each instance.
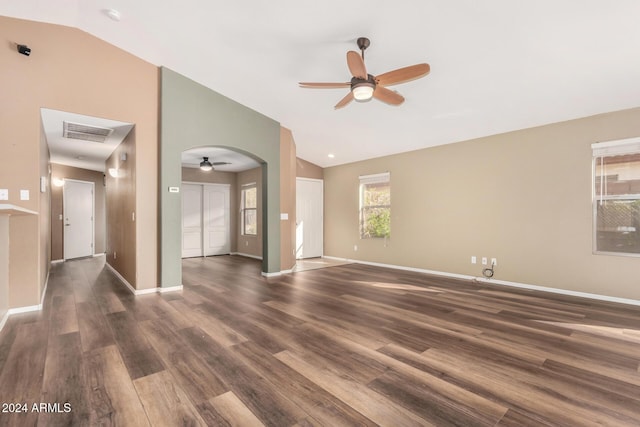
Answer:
(320, 181)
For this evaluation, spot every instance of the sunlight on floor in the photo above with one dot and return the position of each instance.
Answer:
(607, 331)
(398, 286)
(315, 263)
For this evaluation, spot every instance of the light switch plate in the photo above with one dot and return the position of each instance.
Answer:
(4, 194)
(24, 194)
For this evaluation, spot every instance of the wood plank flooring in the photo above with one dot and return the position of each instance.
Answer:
(347, 345)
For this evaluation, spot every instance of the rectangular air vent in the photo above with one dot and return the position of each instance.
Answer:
(85, 132)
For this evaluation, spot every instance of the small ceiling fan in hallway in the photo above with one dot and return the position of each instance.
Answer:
(206, 165)
(364, 86)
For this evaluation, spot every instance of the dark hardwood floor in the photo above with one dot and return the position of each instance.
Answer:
(346, 345)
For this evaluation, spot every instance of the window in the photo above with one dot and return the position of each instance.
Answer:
(616, 196)
(375, 206)
(249, 210)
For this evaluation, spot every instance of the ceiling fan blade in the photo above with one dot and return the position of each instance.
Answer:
(324, 85)
(344, 101)
(388, 96)
(220, 163)
(403, 75)
(356, 65)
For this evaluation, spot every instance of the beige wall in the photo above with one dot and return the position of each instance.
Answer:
(57, 225)
(522, 197)
(305, 169)
(69, 70)
(219, 177)
(287, 199)
(249, 245)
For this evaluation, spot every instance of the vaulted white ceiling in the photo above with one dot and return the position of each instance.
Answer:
(496, 65)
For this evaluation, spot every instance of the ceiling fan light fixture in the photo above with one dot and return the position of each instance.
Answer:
(205, 165)
(363, 91)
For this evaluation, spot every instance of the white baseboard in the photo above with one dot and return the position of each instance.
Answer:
(277, 273)
(274, 274)
(122, 279)
(559, 291)
(246, 255)
(169, 289)
(158, 290)
(27, 309)
(4, 319)
(142, 291)
(44, 291)
(57, 261)
(497, 282)
(98, 255)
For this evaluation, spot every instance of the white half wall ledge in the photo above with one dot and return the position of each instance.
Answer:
(585, 295)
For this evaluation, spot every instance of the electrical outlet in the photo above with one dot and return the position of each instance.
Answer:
(355, 248)
(474, 260)
(494, 261)
(484, 260)
(4, 194)
(24, 194)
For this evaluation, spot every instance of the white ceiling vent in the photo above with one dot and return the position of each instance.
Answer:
(85, 132)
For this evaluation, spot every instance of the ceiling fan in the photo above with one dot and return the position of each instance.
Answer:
(206, 165)
(364, 86)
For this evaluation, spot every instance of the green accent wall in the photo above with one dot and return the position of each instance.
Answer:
(192, 115)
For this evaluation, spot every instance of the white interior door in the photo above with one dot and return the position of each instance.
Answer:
(191, 220)
(309, 217)
(217, 226)
(78, 207)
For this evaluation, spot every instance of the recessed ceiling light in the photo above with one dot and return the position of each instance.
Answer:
(331, 156)
(113, 14)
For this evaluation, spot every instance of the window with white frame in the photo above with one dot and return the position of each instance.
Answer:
(616, 197)
(375, 206)
(249, 210)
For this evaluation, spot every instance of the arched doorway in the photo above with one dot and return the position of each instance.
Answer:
(194, 116)
(221, 203)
